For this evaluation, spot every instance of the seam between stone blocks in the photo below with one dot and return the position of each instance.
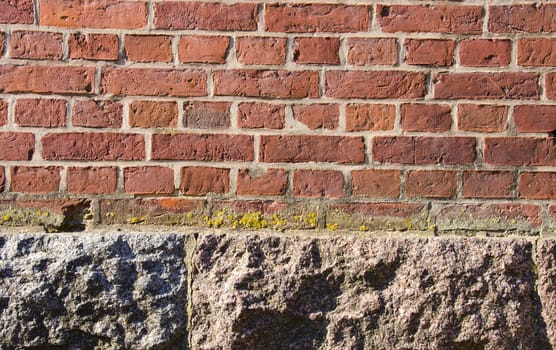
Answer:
(190, 251)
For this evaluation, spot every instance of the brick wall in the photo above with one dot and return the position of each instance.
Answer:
(361, 115)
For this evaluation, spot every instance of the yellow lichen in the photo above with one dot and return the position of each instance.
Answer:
(332, 227)
(363, 228)
(6, 217)
(135, 219)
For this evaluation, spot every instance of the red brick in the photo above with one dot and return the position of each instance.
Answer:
(36, 45)
(426, 117)
(261, 50)
(203, 49)
(301, 148)
(47, 79)
(35, 179)
(536, 52)
(375, 85)
(3, 112)
(153, 114)
(202, 147)
(551, 86)
(505, 85)
(154, 82)
(429, 52)
(149, 180)
(376, 183)
(97, 114)
(92, 180)
(535, 118)
(148, 48)
(482, 118)
(431, 184)
(266, 83)
(296, 18)
(485, 53)
(488, 184)
(205, 16)
(531, 18)
(99, 14)
(17, 12)
(206, 115)
(538, 185)
(261, 115)
(17, 145)
(47, 113)
(434, 19)
(318, 183)
(424, 150)
(316, 50)
(372, 51)
(93, 46)
(198, 181)
(2, 179)
(93, 146)
(370, 117)
(318, 116)
(273, 182)
(520, 151)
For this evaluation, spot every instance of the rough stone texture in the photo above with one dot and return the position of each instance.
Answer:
(359, 293)
(94, 291)
(546, 259)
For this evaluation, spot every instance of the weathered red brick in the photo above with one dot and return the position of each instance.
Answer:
(47, 113)
(198, 181)
(205, 16)
(206, 115)
(3, 112)
(17, 12)
(266, 83)
(202, 147)
(485, 52)
(532, 18)
(304, 148)
(318, 116)
(373, 117)
(93, 146)
(92, 180)
(434, 19)
(535, 118)
(372, 51)
(426, 117)
(153, 114)
(520, 151)
(35, 179)
(99, 14)
(376, 183)
(551, 86)
(154, 82)
(2, 43)
(488, 184)
(36, 45)
(2, 179)
(148, 48)
(482, 118)
(537, 185)
(433, 52)
(375, 84)
(505, 85)
(203, 48)
(47, 79)
(382, 216)
(495, 216)
(97, 114)
(292, 18)
(261, 50)
(156, 211)
(431, 183)
(424, 150)
(316, 50)
(273, 182)
(318, 183)
(93, 46)
(261, 115)
(16, 145)
(536, 52)
(149, 180)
